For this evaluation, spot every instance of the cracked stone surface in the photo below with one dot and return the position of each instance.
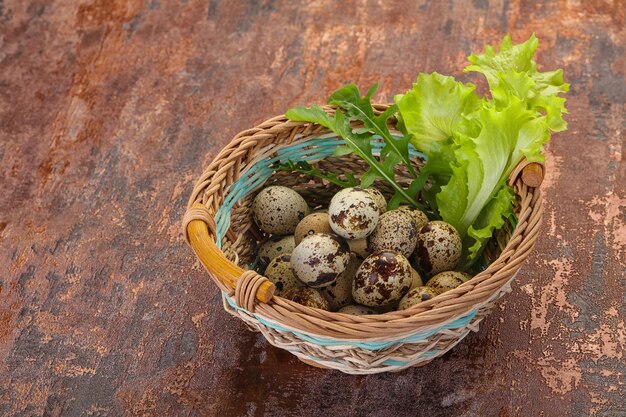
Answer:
(110, 109)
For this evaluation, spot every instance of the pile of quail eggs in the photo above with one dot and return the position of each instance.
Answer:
(354, 257)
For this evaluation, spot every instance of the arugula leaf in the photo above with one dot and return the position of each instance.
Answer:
(433, 109)
(349, 98)
(305, 168)
(359, 142)
(313, 114)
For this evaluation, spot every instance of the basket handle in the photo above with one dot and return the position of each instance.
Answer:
(530, 172)
(248, 285)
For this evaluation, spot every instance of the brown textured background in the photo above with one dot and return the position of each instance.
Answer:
(110, 109)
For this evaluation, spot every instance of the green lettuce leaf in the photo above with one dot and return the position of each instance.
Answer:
(510, 58)
(482, 163)
(512, 72)
(491, 218)
(432, 110)
(474, 151)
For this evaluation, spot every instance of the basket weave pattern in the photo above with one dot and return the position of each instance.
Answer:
(226, 237)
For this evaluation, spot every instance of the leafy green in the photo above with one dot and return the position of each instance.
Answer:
(351, 106)
(491, 217)
(432, 111)
(512, 72)
(481, 163)
(349, 98)
(509, 58)
(313, 114)
(473, 144)
(304, 167)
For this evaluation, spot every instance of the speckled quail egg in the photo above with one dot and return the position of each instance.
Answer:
(379, 198)
(306, 296)
(278, 210)
(339, 293)
(395, 232)
(416, 279)
(438, 247)
(416, 296)
(319, 259)
(464, 276)
(357, 310)
(382, 278)
(313, 223)
(418, 215)
(353, 213)
(448, 280)
(279, 271)
(276, 245)
(360, 247)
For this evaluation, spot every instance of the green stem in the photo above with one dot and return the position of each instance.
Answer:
(374, 164)
(387, 137)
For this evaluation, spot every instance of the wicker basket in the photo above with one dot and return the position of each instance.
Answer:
(219, 227)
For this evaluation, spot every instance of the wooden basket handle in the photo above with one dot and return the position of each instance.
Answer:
(248, 285)
(530, 172)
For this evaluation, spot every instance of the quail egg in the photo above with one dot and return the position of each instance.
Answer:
(357, 310)
(353, 213)
(360, 247)
(416, 296)
(416, 279)
(382, 279)
(279, 271)
(464, 276)
(395, 232)
(278, 210)
(379, 198)
(307, 297)
(418, 215)
(448, 280)
(438, 247)
(276, 245)
(319, 259)
(313, 223)
(339, 293)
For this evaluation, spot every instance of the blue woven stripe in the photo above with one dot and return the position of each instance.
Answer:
(310, 150)
(417, 337)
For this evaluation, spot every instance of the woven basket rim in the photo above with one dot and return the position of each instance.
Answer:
(278, 132)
